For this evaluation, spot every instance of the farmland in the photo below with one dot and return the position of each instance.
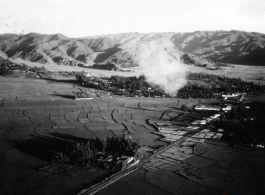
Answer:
(39, 116)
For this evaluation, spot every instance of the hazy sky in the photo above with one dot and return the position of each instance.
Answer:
(77, 18)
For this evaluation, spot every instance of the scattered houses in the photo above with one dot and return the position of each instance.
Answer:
(224, 107)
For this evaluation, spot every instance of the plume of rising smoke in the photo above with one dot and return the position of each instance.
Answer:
(162, 66)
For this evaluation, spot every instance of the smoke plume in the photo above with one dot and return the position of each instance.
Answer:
(161, 64)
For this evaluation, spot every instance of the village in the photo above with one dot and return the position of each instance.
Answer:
(193, 132)
(171, 131)
(235, 90)
(139, 87)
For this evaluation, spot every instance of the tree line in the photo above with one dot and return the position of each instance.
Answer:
(8, 67)
(128, 86)
(200, 85)
(244, 125)
(95, 152)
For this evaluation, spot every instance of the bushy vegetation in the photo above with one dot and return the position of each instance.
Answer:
(226, 84)
(8, 67)
(244, 125)
(68, 73)
(129, 86)
(186, 59)
(203, 85)
(200, 85)
(102, 153)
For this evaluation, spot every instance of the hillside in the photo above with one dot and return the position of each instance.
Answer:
(52, 49)
(235, 47)
(129, 49)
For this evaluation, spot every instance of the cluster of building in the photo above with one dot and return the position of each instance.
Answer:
(128, 161)
(172, 132)
(182, 151)
(239, 96)
(67, 73)
(204, 121)
(259, 146)
(118, 88)
(224, 107)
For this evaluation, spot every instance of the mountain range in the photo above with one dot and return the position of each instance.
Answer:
(125, 50)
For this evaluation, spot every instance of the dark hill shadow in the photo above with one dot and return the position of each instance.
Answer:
(64, 96)
(71, 81)
(82, 57)
(105, 66)
(107, 53)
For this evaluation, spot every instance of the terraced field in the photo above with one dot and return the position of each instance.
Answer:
(215, 168)
(37, 117)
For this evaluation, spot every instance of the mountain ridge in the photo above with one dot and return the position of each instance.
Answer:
(124, 49)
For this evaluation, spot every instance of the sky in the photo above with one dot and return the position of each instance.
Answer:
(80, 18)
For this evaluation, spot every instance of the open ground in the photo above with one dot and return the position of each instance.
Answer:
(248, 73)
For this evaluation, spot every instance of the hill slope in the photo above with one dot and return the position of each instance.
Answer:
(236, 47)
(126, 50)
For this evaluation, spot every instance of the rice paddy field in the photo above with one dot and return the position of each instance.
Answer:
(36, 116)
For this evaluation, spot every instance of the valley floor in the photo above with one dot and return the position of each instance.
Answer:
(36, 116)
(248, 73)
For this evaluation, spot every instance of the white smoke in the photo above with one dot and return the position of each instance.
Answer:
(161, 64)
